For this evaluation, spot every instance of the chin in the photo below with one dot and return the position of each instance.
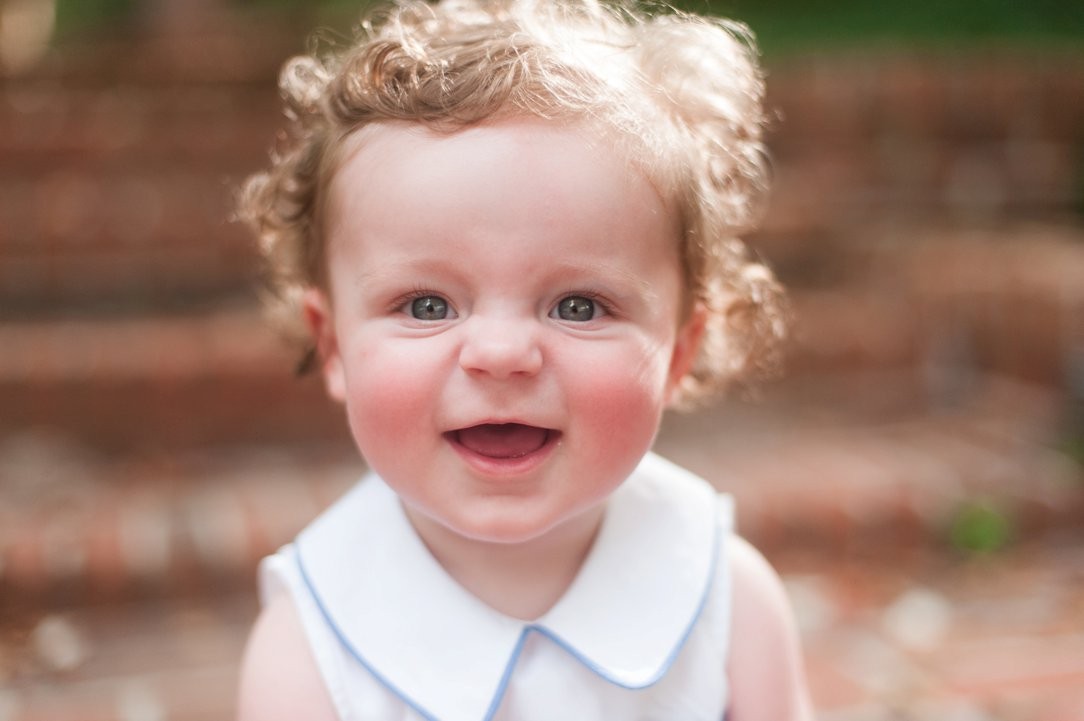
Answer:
(508, 529)
(503, 533)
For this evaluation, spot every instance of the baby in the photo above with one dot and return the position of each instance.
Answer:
(509, 228)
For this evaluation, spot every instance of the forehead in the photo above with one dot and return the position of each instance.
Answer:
(524, 170)
(390, 150)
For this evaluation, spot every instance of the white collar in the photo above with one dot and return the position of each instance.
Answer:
(449, 656)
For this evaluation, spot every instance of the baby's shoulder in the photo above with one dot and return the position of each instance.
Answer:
(765, 667)
(279, 676)
(756, 584)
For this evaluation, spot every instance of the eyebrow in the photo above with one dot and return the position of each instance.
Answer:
(421, 267)
(606, 271)
(574, 270)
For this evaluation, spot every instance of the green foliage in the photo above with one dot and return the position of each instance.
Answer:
(1078, 195)
(785, 25)
(981, 527)
(1074, 448)
(781, 25)
(72, 15)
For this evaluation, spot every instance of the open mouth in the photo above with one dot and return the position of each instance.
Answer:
(503, 441)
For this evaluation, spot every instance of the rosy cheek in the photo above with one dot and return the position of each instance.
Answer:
(628, 395)
(614, 394)
(387, 393)
(630, 368)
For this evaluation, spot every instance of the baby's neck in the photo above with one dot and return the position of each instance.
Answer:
(521, 580)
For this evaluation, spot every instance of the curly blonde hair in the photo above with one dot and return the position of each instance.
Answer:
(682, 94)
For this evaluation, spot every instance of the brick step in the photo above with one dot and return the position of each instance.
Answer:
(173, 382)
(123, 196)
(955, 303)
(855, 462)
(231, 47)
(56, 126)
(134, 257)
(806, 474)
(165, 658)
(80, 526)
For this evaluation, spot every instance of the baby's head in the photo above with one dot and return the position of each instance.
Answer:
(677, 98)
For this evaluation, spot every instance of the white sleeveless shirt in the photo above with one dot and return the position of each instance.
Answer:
(642, 634)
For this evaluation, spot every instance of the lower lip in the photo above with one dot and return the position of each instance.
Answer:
(505, 467)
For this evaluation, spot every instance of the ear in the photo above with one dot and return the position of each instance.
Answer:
(686, 347)
(318, 316)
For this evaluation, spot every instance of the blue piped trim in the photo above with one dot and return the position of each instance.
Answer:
(506, 676)
(350, 647)
(673, 653)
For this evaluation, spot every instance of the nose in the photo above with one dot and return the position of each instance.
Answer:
(502, 348)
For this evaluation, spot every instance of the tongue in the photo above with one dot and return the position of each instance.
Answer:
(506, 440)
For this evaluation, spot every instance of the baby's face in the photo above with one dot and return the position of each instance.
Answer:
(503, 321)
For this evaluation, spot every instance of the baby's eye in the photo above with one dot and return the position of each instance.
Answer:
(576, 308)
(430, 307)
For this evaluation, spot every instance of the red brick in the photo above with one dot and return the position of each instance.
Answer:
(24, 568)
(106, 568)
(993, 667)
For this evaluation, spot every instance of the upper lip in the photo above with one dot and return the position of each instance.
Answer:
(500, 422)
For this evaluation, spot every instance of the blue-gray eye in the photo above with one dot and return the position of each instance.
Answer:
(576, 308)
(429, 307)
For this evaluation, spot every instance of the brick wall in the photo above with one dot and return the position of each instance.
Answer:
(971, 137)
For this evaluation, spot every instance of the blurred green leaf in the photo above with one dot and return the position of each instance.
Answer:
(79, 14)
(1074, 448)
(981, 527)
(786, 25)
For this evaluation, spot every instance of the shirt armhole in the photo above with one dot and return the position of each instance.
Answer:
(280, 574)
(724, 580)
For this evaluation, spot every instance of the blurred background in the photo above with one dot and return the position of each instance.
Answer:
(916, 476)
